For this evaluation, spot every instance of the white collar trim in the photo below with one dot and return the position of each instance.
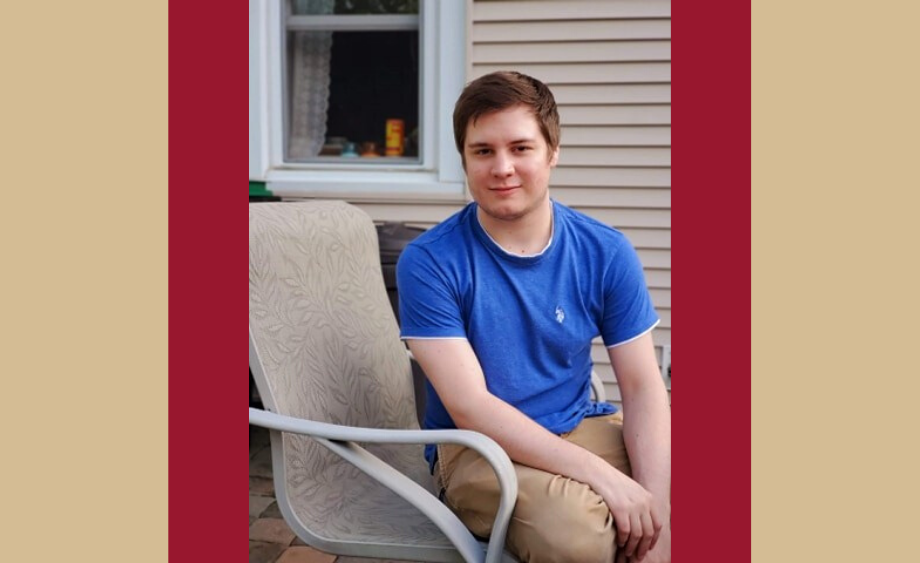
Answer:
(552, 235)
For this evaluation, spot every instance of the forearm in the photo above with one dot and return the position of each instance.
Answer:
(454, 371)
(647, 433)
(526, 442)
(647, 417)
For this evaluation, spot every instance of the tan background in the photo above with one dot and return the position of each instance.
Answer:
(836, 113)
(84, 299)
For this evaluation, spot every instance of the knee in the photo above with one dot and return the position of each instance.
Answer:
(578, 533)
(586, 548)
(581, 547)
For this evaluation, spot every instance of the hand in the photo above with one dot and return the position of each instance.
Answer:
(637, 517)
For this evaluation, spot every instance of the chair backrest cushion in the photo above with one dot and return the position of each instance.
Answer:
(328, 344)
(320, 317)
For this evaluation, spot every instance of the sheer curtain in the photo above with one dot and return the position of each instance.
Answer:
(310, 75)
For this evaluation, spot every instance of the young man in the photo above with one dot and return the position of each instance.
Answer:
(499, 305)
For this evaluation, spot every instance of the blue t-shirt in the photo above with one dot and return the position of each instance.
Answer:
(529, 319)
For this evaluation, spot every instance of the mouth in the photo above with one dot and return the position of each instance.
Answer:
(504, 189)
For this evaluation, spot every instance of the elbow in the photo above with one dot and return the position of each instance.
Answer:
(641, 384)
(463, 416)
(469, 412)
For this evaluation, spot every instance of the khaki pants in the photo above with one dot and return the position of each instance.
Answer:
(556, 519)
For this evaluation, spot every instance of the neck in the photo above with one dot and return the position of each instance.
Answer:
(524, 235)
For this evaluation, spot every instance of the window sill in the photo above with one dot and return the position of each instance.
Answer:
(381, 183)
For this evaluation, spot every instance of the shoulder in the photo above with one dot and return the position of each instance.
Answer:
(441, 241)
(445, 235)
(587, 231)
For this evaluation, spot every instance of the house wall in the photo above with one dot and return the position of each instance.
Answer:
(608, 64)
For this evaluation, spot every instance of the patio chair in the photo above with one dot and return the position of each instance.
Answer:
(336, 383)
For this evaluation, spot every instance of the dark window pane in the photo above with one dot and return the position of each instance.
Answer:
(373, 77)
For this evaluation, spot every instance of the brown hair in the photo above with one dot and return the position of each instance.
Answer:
(501, 90)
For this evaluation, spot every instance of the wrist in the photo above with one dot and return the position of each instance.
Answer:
(660, 490)
(601, 476)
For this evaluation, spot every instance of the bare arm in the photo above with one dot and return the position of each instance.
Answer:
(455, 373)
(647, 423)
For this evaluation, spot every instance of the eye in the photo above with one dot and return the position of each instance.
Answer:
(522, 148)
(482, 152)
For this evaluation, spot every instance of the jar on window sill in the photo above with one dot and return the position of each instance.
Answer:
(349, 151)
(369, 149)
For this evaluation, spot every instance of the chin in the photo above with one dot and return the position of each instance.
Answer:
(503, 212)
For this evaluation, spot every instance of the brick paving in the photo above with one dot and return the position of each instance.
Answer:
(270, 538)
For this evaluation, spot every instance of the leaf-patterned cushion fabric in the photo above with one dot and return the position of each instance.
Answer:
(330, 350)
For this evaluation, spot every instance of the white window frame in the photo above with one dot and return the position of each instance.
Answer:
(443, 53)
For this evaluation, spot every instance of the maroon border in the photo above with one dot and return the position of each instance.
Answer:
(207, 342)
(712, 280)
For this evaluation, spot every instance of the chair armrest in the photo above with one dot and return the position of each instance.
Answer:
(597, 388)
(342, 441)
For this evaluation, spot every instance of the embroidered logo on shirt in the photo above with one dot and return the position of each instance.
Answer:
(560, 315)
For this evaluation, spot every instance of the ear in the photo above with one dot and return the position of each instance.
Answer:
(554, 159)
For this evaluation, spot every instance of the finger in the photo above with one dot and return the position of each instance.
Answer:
(635, 534)
(623, 528)
(650, 534)
(654, 541)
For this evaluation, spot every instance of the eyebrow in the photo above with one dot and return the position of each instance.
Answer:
(484, 144)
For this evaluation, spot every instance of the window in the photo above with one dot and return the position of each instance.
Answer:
(351, 80)
(355, 95)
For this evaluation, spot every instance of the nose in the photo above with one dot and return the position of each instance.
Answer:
(502, 166)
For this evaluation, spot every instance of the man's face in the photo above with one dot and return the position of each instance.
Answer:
(508, 163)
